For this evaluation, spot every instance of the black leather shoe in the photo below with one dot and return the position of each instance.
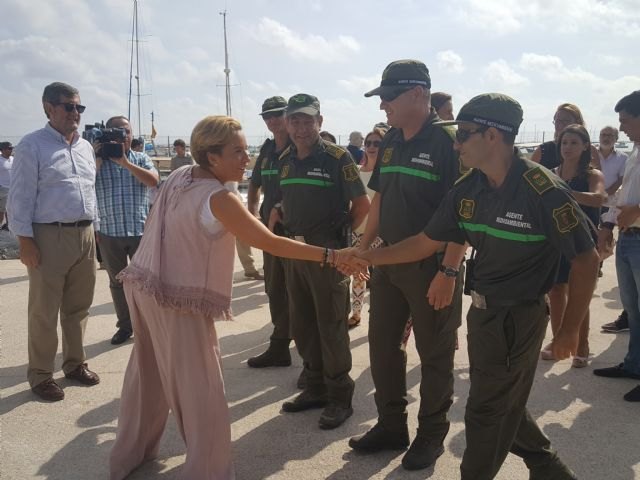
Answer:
(615, 372)
(422, 454)
(121, 336)
(554, 470)
(83, 375)
(48, 390)
(379, 438)
(272, 357)
(305, 401)
(333, 416)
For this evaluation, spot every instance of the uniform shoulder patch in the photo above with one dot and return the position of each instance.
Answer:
(334, 150)
(350, 172)
(565, 218)
(467, 208)
(285, 152)
(387, 155)
(539, 180)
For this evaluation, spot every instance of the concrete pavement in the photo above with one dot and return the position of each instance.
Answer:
(594, 430)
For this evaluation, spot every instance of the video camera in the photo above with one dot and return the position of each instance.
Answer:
(104, 136)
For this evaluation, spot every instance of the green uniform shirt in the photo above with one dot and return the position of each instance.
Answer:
(317, 190)
(412, 178)
(519, 230)
(266, 175)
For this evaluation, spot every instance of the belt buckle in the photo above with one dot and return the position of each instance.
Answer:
(478, 300)
(299, 238)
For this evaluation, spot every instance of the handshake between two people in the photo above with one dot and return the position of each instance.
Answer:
(352, 261)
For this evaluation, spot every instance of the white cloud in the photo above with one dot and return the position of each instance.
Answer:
(360, 85)
(502, 17)
(610, 60)
(450, 61)
(501, 74)
(308, 47)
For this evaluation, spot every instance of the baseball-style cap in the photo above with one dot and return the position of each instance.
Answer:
(491, 109)
(402, 73)
(273, 104)
(303, 103)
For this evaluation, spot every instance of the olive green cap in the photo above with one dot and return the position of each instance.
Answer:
(273, 104)
(402, 73)
(492, 110)
(303, 103)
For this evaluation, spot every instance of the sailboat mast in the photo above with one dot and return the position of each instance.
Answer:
(137, 40)
(227, 71)
(133, 30)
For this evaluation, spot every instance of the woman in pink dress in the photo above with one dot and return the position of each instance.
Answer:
(177, 284)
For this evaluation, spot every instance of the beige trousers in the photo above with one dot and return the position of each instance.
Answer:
(174, 364)
(62, 283)
(246, 257)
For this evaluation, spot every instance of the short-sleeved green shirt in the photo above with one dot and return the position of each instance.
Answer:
(412, 177)
(518, 230)
(317, 190)
(266, 175)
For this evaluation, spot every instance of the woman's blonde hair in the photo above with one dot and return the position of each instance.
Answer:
(211, 135)
(572, 110)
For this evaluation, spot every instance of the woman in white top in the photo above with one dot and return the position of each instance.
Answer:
(358, 286)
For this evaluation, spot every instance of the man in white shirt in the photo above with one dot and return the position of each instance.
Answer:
(6, 161)
(612, 165)
(627, 216)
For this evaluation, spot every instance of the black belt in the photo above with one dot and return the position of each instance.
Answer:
(79, 223)
(630, 231)
(483, 301)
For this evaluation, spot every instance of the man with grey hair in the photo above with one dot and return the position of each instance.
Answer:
(355, 146)
(612, 165)
(52, 209)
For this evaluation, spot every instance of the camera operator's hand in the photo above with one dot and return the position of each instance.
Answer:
(123, 161)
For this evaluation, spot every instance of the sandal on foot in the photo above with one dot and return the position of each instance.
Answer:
(547, 354)
(353, 322)
(580, 362)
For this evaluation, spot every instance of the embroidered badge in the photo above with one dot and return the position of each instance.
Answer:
(350, 172)
(466, 208)
(565, 217)
(284, 173)
(539, 180)
(386, 156)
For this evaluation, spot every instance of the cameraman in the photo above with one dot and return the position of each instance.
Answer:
(122, 190)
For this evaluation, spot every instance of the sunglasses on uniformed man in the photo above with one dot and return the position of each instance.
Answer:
(70, 107)
(372, 143)
(391, 95)
(267, 116)
(464, 135)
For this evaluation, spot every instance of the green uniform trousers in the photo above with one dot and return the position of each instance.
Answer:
(318, 308)
(397, 292)
(276, 288)
(504, 345)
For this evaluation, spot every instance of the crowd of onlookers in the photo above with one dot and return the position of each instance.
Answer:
(168, 249)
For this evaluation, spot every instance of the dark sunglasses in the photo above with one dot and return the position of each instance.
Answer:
(464, 135)
(70, 107)
(267, 116)
(391, 95)
(372, 143)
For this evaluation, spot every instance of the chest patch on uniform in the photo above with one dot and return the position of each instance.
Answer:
(284, 173)
(350, 172)
(565, 217)
(466, 208)
(539, 180)
(386, 156)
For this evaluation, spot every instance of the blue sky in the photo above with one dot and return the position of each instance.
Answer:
(542, 52)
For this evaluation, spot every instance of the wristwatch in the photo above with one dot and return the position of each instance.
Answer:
(449, 271)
